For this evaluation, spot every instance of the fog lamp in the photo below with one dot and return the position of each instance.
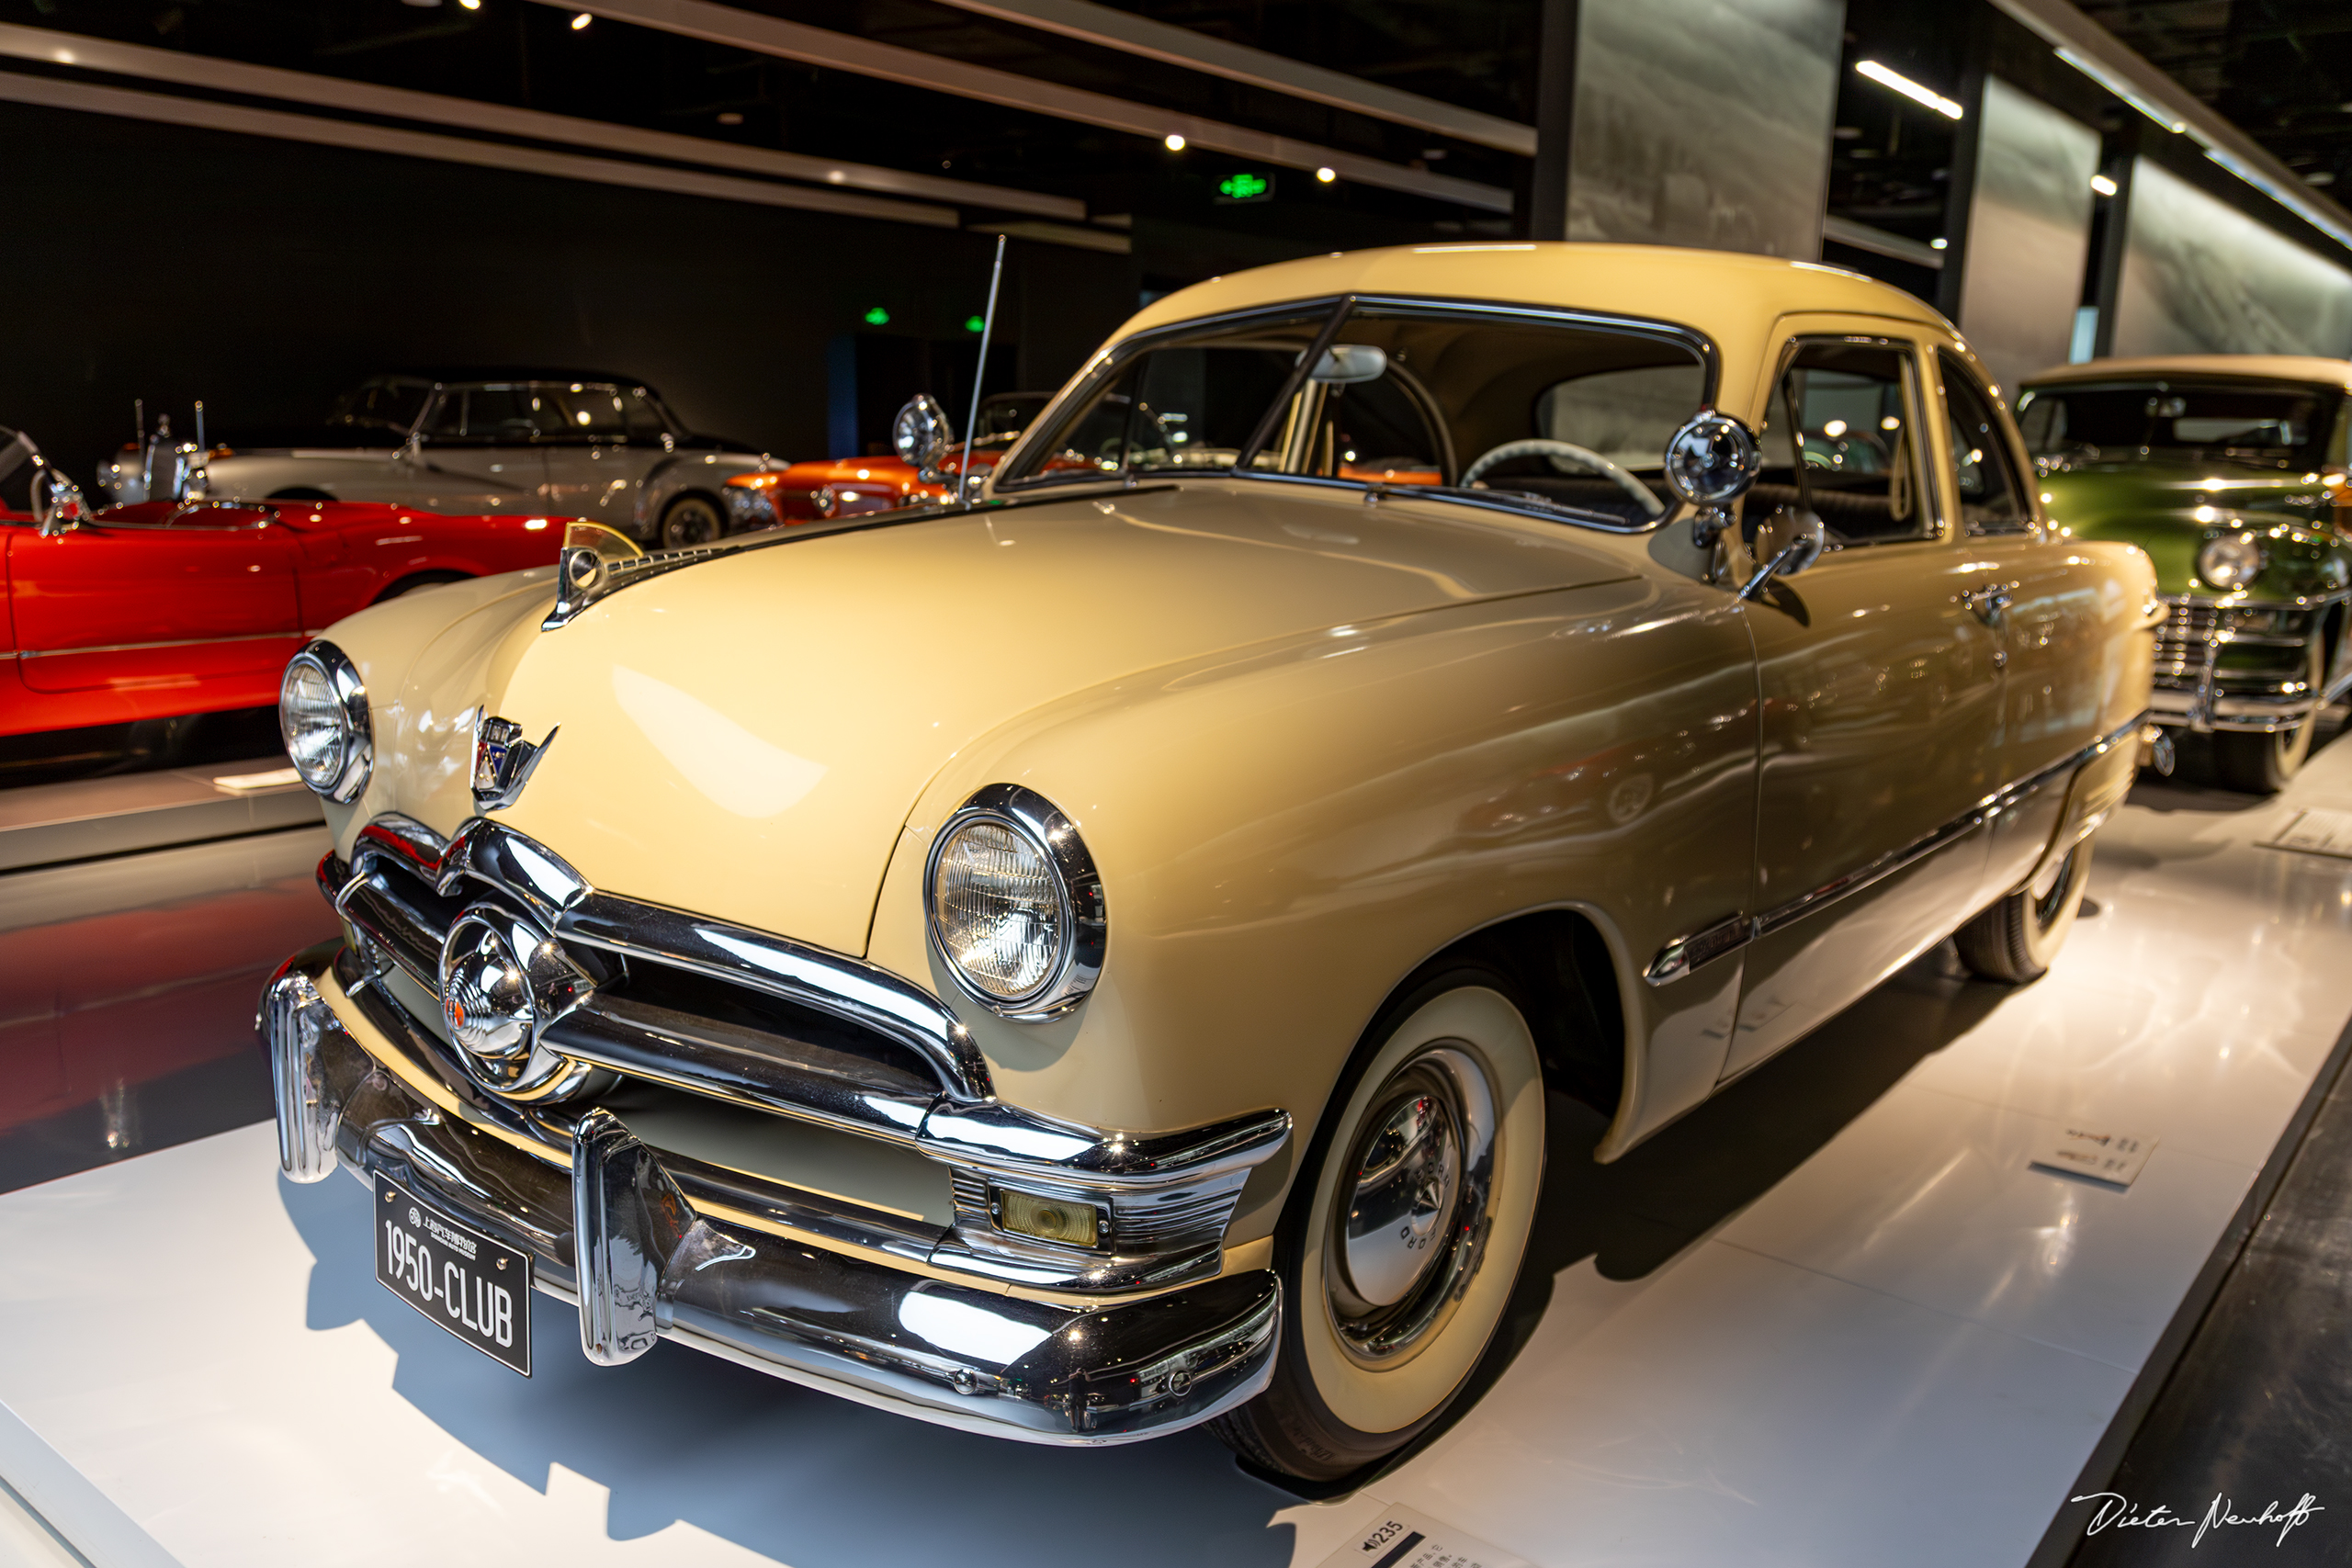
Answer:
(1064, 1220)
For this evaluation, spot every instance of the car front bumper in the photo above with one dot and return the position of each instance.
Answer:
(655, 1265)
(2216, 672)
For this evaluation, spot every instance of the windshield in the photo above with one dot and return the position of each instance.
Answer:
(383, 403)
(2276, 426)
(1528, 409)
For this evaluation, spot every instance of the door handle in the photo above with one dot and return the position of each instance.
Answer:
(1990, 603)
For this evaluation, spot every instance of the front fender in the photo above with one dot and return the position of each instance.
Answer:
(431, 662)
(1286, 831)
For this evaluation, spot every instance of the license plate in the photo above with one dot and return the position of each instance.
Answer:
(470, 1285)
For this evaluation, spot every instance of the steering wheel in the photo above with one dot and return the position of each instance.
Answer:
(1543, 447)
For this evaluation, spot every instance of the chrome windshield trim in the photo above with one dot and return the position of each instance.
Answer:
(1343, 307)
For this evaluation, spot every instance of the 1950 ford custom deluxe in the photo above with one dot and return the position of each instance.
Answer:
(1091, 962)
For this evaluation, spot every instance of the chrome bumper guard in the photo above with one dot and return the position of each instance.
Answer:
(618, 1236)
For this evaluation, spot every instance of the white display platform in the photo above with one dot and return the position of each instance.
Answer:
(1900, 1352)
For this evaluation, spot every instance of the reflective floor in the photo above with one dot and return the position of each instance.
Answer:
(126, 994)
(1832, 1318)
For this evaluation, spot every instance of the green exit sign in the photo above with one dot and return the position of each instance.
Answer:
(1245, 186)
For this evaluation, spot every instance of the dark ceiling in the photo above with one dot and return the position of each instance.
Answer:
(2280, 69)
(2283, 69)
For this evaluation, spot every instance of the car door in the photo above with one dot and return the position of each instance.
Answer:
(156, 595)
(2052, 607)
(480, 449)
(591, 469)
(1880, 689)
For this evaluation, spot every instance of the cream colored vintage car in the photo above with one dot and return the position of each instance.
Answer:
(1091, 962)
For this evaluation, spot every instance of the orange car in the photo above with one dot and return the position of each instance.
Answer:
(844, 486)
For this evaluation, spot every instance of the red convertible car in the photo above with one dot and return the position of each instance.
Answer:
(185, 607)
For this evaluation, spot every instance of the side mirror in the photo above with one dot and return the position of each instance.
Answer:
(1709, 462)
(1786, 543)
(58, 505)
(922, 436)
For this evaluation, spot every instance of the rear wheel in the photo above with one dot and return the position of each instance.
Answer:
(1403, 1236)
(691, 520)
(2018, 937)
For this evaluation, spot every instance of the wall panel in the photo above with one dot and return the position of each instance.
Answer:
(2199, 277)
(2029, 232)
(1705, 122)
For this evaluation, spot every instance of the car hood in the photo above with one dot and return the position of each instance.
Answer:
(745, 737)
(2169, 510)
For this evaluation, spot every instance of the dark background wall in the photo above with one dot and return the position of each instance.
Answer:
(151, 261)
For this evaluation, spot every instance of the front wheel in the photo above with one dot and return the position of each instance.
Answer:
(1403, 1239)
(691, 520)
(2017, 939)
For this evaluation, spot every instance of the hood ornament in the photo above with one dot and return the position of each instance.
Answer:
(503, 761)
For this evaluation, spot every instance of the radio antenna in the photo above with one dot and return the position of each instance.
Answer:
(979, 372)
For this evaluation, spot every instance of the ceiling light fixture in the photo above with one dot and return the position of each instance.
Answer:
(1327, 175)
(582, 20)
(2102, 184)
(1174, 141)
(1909, 89)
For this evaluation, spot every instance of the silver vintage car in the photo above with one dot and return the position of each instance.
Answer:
(572, 442)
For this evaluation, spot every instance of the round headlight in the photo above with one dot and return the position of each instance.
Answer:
(1015, 904)
(2229, 562)
(322, 714)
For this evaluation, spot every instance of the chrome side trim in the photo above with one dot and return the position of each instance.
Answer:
(1685, 954)
(1681, 956)
(142, 647)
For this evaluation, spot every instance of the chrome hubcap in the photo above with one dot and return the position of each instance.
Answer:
(1408, 1213)
(1405, 1189)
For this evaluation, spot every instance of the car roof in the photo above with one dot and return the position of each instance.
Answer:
(1731, 298)
(2248, 367)
(453, 375)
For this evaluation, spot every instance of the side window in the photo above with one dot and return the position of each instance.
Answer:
(1842, 433)
(1992, 498)
(582, 413)
(646, 425)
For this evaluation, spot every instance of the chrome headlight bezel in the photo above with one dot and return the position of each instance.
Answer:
(355, 749)
(1078, 964)
(2230, 561)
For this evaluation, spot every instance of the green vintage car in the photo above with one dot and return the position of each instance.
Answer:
(2230, 471)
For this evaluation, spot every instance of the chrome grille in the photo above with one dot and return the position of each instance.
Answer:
(712, 1008)
(2181, 641)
